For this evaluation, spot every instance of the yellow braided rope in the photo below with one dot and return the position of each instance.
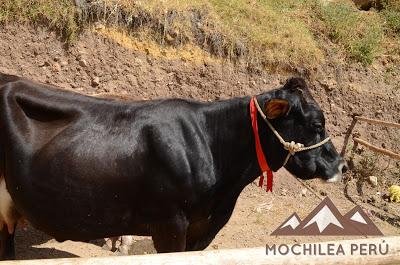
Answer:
(292, 147)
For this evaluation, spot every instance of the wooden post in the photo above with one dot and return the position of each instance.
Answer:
(377, 149)
(253, 256)
(379, 122)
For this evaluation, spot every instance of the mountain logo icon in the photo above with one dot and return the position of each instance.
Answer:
(326, 220)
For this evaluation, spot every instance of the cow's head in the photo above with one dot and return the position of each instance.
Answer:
(297, 117)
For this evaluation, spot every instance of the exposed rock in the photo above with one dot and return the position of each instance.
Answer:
(99, 26)
(328, 84)
(95, 81)
(83, 63)
(372, 199)
(56, 67)
(64, 63)
(373, 180)
(43, 64)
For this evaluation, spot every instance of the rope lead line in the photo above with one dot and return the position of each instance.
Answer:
(291, 147)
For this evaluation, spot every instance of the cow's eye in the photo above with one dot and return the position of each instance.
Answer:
(318, 126)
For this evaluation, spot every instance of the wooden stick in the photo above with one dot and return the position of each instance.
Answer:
(377, 149)
(247, 256)
(347, 137)
(309, 188)
(379, 122)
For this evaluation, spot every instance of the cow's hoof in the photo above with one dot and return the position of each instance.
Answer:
(122, 251)
(118, 253)
(106, 247)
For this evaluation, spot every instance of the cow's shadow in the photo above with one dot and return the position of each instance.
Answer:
(27, 246)
(31, 244)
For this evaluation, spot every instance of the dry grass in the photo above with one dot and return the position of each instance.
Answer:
(256, 31)
(187, 52)
(276, 34)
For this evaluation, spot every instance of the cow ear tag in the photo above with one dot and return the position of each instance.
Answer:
(276, 108)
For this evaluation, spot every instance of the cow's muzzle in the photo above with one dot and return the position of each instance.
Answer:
(342, 168)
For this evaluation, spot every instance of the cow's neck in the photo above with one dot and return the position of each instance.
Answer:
(233, 141)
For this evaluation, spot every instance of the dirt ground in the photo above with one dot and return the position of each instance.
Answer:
(97, 65)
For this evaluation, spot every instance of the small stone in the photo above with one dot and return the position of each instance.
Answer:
(64, 63)
(304, 192)
(328, 85)
(371, 199)
(56, 67)
(95, 81)
(284, 192)
(323, 193)
(215, 246)
(386, 209)
(373, 180)
(82, 62)
(43, 64)
(99, 26)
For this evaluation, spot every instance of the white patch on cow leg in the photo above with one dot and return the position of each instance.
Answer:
(126, 244)
(6, 205)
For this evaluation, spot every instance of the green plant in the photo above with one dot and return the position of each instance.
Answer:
(59, 15)
(367, 165)
(391, 13)
(360, 34)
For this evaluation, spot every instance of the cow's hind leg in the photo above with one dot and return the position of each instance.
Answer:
(171, 236)
(7, 250)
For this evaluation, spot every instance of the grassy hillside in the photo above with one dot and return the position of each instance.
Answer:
(277, 34)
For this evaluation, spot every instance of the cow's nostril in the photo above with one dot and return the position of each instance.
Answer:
(344, 167)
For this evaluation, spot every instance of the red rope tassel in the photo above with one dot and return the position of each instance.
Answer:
(261, 181)
(262, 162)
(269, 180)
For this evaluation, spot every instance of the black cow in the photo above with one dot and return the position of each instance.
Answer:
(82, 168)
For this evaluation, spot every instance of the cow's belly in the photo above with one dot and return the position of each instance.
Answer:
(77, 216)
(76, 208)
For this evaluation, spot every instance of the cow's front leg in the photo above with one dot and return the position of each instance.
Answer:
(171, 235)
(126, 244)
(7, 250)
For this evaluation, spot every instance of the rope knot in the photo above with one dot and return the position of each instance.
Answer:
(293, 147)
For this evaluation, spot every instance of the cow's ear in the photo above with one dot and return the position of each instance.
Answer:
(276, 108)
(295, 83)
